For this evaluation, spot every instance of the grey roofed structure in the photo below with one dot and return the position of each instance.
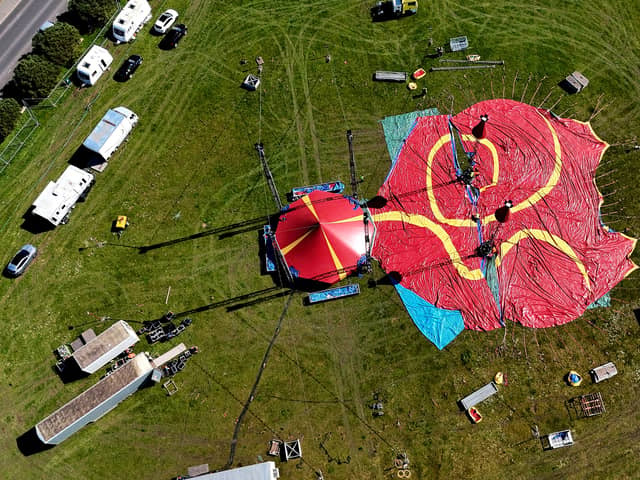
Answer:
(559, 439)
(105, 347)
(388, 76)
(84, 338)
(574, 82)
(259, 471)
(458, 44)
(603, 372)
(93, 403)
(168, 356)
(479, 395)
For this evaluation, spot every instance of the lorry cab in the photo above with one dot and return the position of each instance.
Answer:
(388, 9)
(130, 20)
(409, 7)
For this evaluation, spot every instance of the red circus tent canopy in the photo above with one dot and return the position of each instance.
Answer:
(549, 254)
(321, 236)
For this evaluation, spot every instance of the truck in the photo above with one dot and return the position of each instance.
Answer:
(93, 65)
(388, 9)
(130, 20)
(111, 132)
(59, 198)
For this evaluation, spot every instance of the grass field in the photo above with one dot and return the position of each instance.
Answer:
(190, 167)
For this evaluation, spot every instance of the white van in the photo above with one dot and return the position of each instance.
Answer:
(130, 20)
(93, 65)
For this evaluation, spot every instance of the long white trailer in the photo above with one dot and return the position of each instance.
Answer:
(111, 132)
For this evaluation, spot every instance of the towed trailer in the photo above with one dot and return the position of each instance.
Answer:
(299, 192)
(334, 293)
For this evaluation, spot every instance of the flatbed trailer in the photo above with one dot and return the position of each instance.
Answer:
(334, 293)
(299, 192)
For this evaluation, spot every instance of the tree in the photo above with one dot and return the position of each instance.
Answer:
(92, 13)
(9, 114)
(35, 77)
(59, 44)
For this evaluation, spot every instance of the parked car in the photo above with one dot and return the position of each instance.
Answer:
(164, 21)
(128, 68)
(172, 38)
(21, 260)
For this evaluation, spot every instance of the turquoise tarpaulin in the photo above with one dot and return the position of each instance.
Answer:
(438, 325)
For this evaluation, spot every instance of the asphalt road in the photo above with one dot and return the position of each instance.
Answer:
(19, 27)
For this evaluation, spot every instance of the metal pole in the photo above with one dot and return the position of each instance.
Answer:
(352, 165)
(268, 175)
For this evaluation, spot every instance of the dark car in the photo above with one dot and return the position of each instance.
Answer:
(21, 260)
(128, 68)
(173, 37)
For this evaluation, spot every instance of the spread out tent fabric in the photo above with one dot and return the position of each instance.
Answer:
(441, 237)
(321, 236)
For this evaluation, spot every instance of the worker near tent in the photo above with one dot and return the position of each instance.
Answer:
(486, 249)
(467, 175)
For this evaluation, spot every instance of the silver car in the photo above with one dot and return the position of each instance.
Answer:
(21, 260)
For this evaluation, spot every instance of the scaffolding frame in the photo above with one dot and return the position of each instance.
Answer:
(591, 404)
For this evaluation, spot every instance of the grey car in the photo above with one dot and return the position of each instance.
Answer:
(21, 260)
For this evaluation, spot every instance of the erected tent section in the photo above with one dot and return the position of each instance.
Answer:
(321, 236)
(443, 235)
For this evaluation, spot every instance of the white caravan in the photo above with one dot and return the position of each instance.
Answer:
(130, 20)
(93, 65)
(58, 198)
(112, 130)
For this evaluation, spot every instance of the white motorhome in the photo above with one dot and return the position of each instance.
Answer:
(58, 198)
(93, 65)
(131, 19)
(109, 134)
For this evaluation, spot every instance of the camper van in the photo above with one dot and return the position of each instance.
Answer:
(93, 65)
(112, 130)
(58, 198)
(130, 20)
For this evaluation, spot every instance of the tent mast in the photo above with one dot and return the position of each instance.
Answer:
(352, 165)
(268, 176)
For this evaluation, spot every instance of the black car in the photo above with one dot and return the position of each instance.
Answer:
(173, 36)
(128, 68)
